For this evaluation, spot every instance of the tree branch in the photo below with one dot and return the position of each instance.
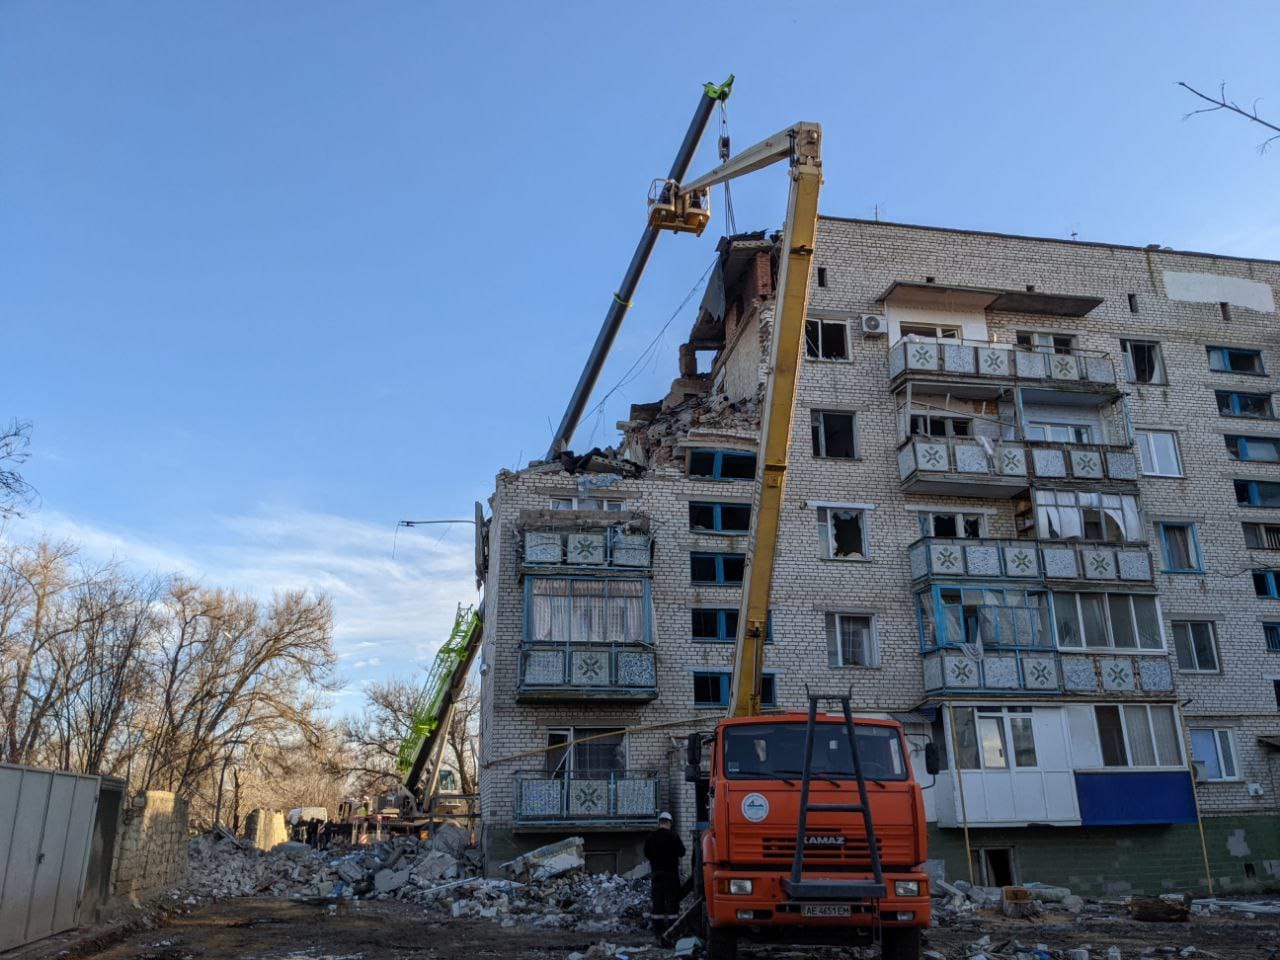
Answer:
(1222, 103)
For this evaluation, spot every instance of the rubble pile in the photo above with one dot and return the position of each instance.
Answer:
(586, 903)
(400, 868)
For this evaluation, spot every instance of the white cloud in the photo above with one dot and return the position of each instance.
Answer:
(390, 613)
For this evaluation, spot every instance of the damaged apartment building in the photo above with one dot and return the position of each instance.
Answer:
(1032, 510)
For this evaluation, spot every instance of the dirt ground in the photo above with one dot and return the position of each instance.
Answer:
(265, 929)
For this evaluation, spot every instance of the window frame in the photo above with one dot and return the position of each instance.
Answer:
(941, 331)
(1146, 449)
(768, 691)
(1192, 652)
(948, 421)
(1254, 490)
(1214, 351)
(611, 504)
(1108, 626)
(719, 557)
(717, 464)
(1242, 443)
(1219, 736)
(822, 324)
(717, 509)
(1122, 713)
(567, 767)
(1032, 336)
(1160, 377)
(1044, 426)
(927, 521)
(934, 622)
(1272, 579)
(827, 534)
(646, 610)
(1233, 396)
(1193, 546)
(1264, 531)
(818, 433)
(1271, 636)
(1083, 511)
(1005, 715)
(835, 646)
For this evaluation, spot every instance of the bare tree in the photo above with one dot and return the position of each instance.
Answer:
(462, 737)
(1221, 102)
(15, 492)
(374, 737)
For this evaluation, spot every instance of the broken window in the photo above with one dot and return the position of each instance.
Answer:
(826, 339)
(834, 435)
(927, 425)
(1143, 362)
(716, 567)
(586, 752)
(1045, 342)
(1073, 515)
(851, 641)
(842, 533)
(711, 689)
(722, 464)
(1235, 360)
(585, 503)
(1257, 493)
(930, 331)
(1262, 449)
(966, 525)
(1248, 406)
(719, 517)
(1060, 432)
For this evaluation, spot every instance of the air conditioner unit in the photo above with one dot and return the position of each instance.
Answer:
(874, 325)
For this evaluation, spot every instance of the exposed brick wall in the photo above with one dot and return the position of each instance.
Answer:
(151, 847)
(265, 828)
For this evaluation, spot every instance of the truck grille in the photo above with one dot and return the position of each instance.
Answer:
(894, 845)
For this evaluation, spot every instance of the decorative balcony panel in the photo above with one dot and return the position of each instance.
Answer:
(951, 670)
(603, 800)
(976, 361)
(967, 467)
(588, 672)
(1030, 560)
(587, 548)
(1113, 672)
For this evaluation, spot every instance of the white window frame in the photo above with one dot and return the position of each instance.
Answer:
(1149, 461)
(1076, 500)
(1045, 426)
(949, 421)
(827, 534)
(822, 323)
(1191, 648)
(611, 504)
(1120, 707)
(1111, 635)
(1221, 736)
(1006, 716)
(941, 331)
(871, 642)
(1042, 341)
(927, 523)
(1161, 375)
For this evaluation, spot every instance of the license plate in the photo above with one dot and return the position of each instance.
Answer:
(826, 910)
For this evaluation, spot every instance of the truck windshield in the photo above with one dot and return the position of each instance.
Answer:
(773, 750)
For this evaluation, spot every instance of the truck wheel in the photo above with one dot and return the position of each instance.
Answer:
(722, 943)
(900, 943)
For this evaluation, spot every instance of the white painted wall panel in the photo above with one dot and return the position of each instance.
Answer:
(1214, 288)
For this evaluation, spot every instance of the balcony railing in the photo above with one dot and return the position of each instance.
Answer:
(1028, 560)
(1014, 671)
(587, 671)
(607, 799)
(610, 547)
(965, 466)
(984, 360)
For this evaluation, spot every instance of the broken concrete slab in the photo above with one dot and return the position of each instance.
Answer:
(548, 861)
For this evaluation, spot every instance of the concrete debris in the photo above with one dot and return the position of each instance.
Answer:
(549, 861)
(687, 946)
(1160, 910)
(586, 903)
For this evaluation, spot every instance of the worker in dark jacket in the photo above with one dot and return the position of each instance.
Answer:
(664, 851)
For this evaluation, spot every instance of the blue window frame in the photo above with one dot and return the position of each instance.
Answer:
(721, 568)
(1266, 583)
(1235, 360)
(1271, 634)
(991, 615)
(1180, 547)
(1250, 406)
(1257, 493)
(711, 689)
(722, 464)
(1261, 449)
(719, 517)
(720, 625)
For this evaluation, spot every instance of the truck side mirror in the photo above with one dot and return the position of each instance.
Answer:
(931, 764)
(693, 750)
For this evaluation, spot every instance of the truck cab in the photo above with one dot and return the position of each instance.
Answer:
(753, 807)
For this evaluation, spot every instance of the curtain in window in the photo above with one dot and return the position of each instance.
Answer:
(1142, 751)
(587, 611)
(1167, 737)
(626, 611)
(551, 609)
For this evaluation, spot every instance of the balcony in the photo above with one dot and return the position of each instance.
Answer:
(613, 547)
(953, 670)
(587, 671)
(1000, 469)
(1000, 364)
(1032, 561)
(605, 801)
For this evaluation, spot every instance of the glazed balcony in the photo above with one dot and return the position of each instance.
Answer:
(1000, 469)
(604, 801)
(1031, 561)
(620, 672)
(977, 362)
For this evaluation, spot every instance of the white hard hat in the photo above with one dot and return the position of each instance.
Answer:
(664, 816)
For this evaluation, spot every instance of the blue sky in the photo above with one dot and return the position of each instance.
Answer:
(276, 275)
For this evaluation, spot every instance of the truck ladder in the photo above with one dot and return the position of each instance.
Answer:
(829, 889)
